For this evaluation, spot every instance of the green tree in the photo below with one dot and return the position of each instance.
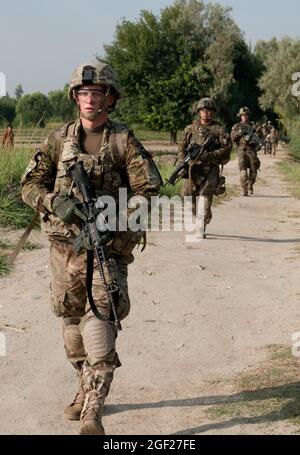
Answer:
(62, 108)
(7, 109)
(276, 83)
(19, 92)
(166, 63)
(33, 109)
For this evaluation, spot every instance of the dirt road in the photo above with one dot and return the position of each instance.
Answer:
(200, 314)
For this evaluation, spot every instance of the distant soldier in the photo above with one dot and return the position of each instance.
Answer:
(272, 142)
(269, 126)
(8, 137)
(248, 143)
(259, 131)
(264, 133)
(204, 177)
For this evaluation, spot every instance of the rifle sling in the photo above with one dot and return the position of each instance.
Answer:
(89, 284)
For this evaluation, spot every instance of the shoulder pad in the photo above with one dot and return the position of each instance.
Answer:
(66, 130)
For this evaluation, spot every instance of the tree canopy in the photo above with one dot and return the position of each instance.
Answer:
(281, 60)
(7, 109)
(62, 108)
(33, 109)
(166, 63)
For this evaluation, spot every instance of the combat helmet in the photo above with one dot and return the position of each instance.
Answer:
(95, 72)
(206, 103)
(244, 111)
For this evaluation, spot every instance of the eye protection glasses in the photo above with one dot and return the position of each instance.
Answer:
(96, 94)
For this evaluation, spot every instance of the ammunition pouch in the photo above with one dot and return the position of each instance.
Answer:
(220, 187)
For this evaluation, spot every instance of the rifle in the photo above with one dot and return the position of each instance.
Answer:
(98, 250)
(192, 153)
(251, 136)
(23, 239)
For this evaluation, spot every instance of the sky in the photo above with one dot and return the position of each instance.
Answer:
(43, 41)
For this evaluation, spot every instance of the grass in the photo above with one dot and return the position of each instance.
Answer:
(13, 212)
(4, 265)
(291, 170)
(166, 170)
(5, 248)
(290, 167)
(294, 144)
(270, 392)
(29, 246)
(144, 134)
(5, 244)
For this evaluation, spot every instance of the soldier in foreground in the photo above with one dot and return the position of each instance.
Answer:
(114, 158)
(8, 137)
(204, 177)
(245, 138)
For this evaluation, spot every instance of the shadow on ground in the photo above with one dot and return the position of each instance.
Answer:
(285, 412)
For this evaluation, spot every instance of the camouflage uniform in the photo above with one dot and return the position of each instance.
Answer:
(247, 157)
(204, 175)
(266, 131)
(273, 139)
(119, 162)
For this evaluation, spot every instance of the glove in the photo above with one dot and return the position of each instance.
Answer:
(83, 241)
(69, 210)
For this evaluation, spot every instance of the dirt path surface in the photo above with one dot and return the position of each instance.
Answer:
(200, 314)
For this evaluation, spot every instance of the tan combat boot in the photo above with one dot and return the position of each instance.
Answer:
(73, 410)
(91, 414)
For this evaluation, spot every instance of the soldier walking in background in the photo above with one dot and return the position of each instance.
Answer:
(204, 177)
(272, 142)
(245, 138)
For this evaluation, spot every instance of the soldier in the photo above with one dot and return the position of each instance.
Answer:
(272, 141)
(267, 127)
(248, 144)
(264, 137)
(259, 131)
(8, 137)
(114, 158)
(204, 177)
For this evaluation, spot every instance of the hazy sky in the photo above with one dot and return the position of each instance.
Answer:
(43, 41)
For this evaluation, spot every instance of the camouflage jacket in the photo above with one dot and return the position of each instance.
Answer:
(196, 134)
(123, 163)
(239, 137)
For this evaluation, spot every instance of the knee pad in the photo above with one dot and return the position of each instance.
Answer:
(73, 341)
(99, 340)
(244, 176)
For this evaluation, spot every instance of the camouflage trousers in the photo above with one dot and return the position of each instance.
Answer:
(248, 165)
(202, 185)
(90, 343)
